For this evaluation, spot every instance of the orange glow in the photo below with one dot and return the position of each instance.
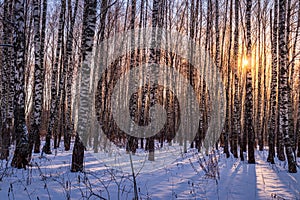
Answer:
(245, 62)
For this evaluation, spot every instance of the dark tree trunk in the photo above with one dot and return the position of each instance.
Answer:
(78, 155)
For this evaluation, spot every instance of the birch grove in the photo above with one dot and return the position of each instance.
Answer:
(51, 93)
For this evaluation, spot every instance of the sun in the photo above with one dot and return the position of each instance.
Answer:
(245, 62)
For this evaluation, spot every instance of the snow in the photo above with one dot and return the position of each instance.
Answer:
(49, 177)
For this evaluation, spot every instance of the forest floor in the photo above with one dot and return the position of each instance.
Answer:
(49, 177)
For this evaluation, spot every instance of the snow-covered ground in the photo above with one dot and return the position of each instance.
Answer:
(50, 178)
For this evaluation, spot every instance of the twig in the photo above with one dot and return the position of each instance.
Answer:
(136, 197)
(6, 45)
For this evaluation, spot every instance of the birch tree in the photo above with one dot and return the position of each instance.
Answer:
(153, 59)
(236, 102)
(88, 32)
(249, 128)
(284, 89)
(7, 76)
(21, 152)
(54, 79)
(273, 98)
(69, 62)
(38, 80)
